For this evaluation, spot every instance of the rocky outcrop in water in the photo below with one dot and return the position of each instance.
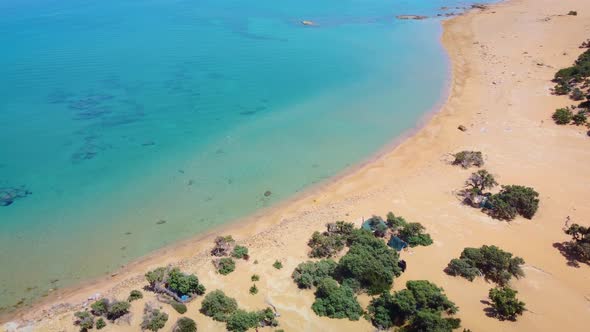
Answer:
(11, 194)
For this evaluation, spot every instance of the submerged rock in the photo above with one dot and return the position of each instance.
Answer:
(309, 23)
(267, 193)
(9, 195)
(411, 17)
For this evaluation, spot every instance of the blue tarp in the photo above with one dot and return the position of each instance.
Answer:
(397, 243)
(371, 224)
(184, 298)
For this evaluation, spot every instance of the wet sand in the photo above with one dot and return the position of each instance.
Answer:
(502, 61)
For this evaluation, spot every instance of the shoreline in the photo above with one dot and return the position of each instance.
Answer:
(129, 270)
(358, 192)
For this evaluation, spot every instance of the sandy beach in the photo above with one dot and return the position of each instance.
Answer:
(503, 59)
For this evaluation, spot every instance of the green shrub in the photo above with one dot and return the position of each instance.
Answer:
(134, 295)
(277, 265)
(153, 319)
(85, 320)
(577, 94)
(580, 118)
(463, 268)
(255, 277)
(341, 228)
(241, 321)
(156, 276)
(325, 244)
(253, 290)
(405, 306)
(522, 199)
(118, 309)
(369, 262)
(225, 265)
(377, 225)
(224, 245)
(100, 307)
(505, 303)
(309, 274)
(501, 209)
(426, 321)
(468, 158)
(490, 261)
(394, 222)
(185, 324)
(179, 307)
(240, 252)
(413, 234)
(267, 317)
(184, 284)
(218, 306)
(336, 301)
(481, 181)
(562, 116)
(100, 324)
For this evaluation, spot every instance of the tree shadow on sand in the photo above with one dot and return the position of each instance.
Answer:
(491, 312)
(566, 252)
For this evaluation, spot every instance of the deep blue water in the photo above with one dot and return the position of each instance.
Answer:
(116, 115)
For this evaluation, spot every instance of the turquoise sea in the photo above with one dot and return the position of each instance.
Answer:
(127, 125)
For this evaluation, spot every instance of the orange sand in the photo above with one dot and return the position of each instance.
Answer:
(503, 59)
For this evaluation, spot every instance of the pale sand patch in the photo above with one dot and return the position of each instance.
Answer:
(501, 95)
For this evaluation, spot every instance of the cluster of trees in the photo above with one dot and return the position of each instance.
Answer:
(330, 242)
(512, 200)
(225, 247)
(467, 159)
(109, 309)
(185, 324)
(336, 301)
(491, 262)
(579, 246)
(154, 319)
(410, 232)
(574, 81)
(368, 266)
(174, 283)
(419, 307)
(223, 308)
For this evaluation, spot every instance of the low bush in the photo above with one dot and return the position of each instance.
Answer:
(134, 295)
(84, 320)
(225, 265)
(309, 274)
(100, 324)
(562, 116)
(253, 290)
(218, 306)
(413, 234)
(325, 244)
(468, 158)
(224, 246)
(580, 118)
(335, 301)
(153, 318)
(505, 304)
(277, 265)
(185, 324)
(241, 321)
(112, 310)
(240, 252)
(394, 222)
(490, 261)
(255, 277)
(179, 307)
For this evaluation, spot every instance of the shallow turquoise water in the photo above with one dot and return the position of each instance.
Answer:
(119, 114)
